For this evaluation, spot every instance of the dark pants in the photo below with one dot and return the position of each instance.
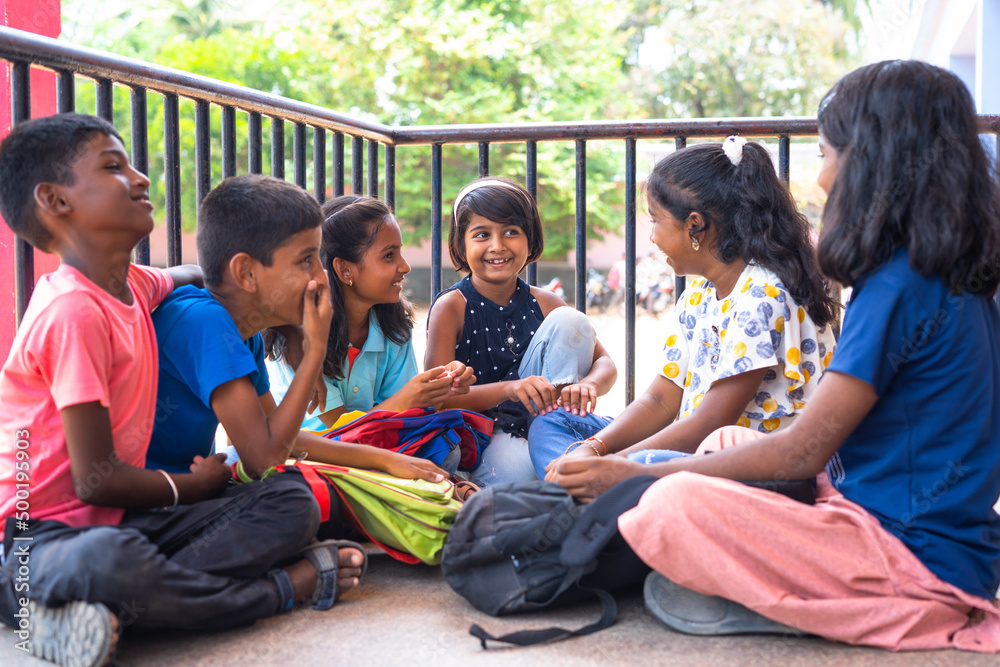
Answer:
(190, 567)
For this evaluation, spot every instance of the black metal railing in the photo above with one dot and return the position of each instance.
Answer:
(25, 50)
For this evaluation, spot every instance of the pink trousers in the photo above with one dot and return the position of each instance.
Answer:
(829, 569)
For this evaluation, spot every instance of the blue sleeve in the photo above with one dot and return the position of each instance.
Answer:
(201, 346)
(400, 367)
(877, 334)
(261, 382)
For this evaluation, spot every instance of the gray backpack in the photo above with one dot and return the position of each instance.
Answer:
(529, 545)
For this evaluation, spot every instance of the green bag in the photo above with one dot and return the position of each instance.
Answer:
(408, 518)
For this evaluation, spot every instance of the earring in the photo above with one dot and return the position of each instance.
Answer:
(350, 282)
(695, 244)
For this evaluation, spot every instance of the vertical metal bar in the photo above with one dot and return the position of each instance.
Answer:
(484, 158)
(202, 150)
(357, 165)
(140, 156)
(435, 221)
(277, 147)
(299, 154)
(105, 100)
(66, 91)
(24, 253)
(531, 178)
(228, 142)
(680, 282)
(630, 201)
(255, 139)
(373, 169)
(338, 164)
(581, 225)
(784, 158)
(172, 177)
(319, 164)
(390, 177)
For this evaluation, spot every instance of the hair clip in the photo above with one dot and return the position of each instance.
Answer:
(733, 148)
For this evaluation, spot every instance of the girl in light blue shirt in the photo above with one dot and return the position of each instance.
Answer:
(370, 362)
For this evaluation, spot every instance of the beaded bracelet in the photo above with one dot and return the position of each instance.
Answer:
(598, 440)
(589, 443)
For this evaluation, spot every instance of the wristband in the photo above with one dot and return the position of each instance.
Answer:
(173, 487)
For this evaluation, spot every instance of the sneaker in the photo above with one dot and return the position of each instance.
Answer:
(683, 610)
(78, 634)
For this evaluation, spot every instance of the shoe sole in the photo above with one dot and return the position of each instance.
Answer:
(78, 634)
(692, 613)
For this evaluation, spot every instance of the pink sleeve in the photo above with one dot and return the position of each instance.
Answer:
(70, 344)
(150, 284)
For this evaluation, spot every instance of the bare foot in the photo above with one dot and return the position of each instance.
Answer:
(303, 574)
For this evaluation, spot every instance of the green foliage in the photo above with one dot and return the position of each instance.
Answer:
(705, 58)
(407, 62)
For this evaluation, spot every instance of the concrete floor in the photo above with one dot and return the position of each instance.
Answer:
(407, 615)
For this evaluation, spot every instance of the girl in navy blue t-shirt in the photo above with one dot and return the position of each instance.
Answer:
(902, 548)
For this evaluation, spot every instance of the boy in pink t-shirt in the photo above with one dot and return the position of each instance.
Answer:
(81, 537)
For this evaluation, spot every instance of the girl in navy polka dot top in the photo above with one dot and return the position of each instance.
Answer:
(531, 353)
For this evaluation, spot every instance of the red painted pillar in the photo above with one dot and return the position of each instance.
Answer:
(41, 17)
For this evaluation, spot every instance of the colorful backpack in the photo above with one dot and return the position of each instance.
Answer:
(424, 433)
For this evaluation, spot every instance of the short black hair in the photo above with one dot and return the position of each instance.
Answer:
(42, 150)
(911, 172)
(753, 214)
(254, 214)
(508, 205)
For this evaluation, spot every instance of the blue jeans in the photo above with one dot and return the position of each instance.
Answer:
(199, 566)
(552, 433)
(561, 351)
(648, 456)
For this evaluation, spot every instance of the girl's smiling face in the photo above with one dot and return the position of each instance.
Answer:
(378, 278)
(495, 251)
(671, 236)
(828, 169)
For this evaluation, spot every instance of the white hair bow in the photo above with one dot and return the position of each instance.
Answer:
(733, 147)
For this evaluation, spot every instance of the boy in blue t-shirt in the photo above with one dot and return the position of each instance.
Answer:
(258, 244)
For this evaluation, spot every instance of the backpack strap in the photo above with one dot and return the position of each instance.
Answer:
(319, 485)
(609, 612)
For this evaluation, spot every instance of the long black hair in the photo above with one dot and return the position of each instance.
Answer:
(911, 172)
(351, 226)
(753, 215)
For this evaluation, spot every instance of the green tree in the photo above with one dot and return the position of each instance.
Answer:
(706, 58)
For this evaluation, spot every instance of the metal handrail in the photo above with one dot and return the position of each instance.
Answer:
(23, 50)
(58, 56)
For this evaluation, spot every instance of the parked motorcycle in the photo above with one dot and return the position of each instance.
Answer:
(555, 286)
(599, 294)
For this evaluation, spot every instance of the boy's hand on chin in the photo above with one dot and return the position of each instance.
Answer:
(317, 313)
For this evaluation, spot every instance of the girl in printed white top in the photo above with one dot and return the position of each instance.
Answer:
(747, 343)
